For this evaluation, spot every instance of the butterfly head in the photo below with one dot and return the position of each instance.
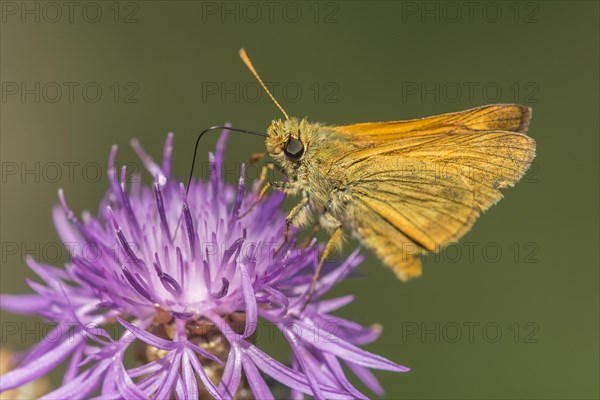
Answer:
(288, 140)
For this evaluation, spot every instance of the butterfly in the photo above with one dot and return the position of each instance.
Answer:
(403, 188)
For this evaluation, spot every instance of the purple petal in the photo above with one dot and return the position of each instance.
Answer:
(167, 154)
(319, 369)
(256, 381)
(44, 364)
(285, 375)
(348, 330)
(327, 306)
(203, 352)
(339, 273)
(114, 395)
(301, 353)
(189, 379)
(131, 218)
(331, 278)
(171, 285)
(330, 343)
(220, 152)
(208, 385)
(224, 289)
(296, 394)
(136, 284)
(232, 373)
(148, 337)
(151, 384)
(250, 300)
(239, 196)
(67, 233)
(189, 222)
(280, 298)
(160, 205)
(82, 386)
(109, 387)
(182, 315)
(167, 386)
(151, 166)
(336, 368)
(367, 377)
(49, 343)
(112, 171)
(127, 388)
(24, 304)
(180, 393)
(147, 369)
(73, 367)
(51, 275)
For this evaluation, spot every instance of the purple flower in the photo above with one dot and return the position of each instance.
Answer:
(187, 282)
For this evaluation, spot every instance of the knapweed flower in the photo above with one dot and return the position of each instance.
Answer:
(187, 283)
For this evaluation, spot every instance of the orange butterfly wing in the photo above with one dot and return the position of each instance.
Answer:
(415, 186)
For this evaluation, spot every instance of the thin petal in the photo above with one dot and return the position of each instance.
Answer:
(67, 232)
(348, 330)
(180, 393)
(233, 372)
(147, 369)
(112, 171)
(24, 304)
(333, 344)
(148, 337)
(300, 352)
(256, 381)
(151, 384)
(127, 388)
(336, 368)
(167, 386)
(73, 367)
(367, 377)
(327, 306)
(48, 343)
(208, 385)
(167, 154)
(339, 273)
(44, 364)
(82, 386)
(286, 375)
(149, 163)
(189, 379)
(203, 352)
(250, 301)
(109, 387)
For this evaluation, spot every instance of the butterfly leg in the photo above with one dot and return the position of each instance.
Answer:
(332, 244)
(296, 213)
(283, 186)
(263, 173)
(256, 157)
(315, 229)
(263, 191)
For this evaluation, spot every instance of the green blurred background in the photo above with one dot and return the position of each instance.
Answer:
(522, 287)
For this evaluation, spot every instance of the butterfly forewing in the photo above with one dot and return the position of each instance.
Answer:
(414, 186)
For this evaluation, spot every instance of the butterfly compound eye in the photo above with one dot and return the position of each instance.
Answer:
(294, 149)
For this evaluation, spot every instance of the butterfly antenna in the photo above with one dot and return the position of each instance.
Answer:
(248, 63)
(200, 137)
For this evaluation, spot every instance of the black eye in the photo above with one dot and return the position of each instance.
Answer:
(294, 149)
